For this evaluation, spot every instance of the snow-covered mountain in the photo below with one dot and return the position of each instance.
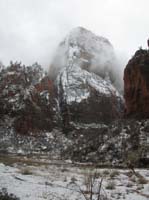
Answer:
(74, 113)
(82, 48)
(84, 72)
(83, 61)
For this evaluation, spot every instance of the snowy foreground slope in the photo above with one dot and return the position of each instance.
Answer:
(64, 181)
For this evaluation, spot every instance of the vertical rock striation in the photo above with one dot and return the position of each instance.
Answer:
(136, 85)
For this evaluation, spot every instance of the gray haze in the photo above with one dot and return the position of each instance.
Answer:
(30, 30)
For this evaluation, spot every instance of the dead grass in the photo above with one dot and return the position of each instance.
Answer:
(142, 180)
(114, 173)
(106, 172)
(111, 185)
(26, 171)
(13, 159)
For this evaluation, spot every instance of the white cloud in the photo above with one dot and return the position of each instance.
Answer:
(30, 30)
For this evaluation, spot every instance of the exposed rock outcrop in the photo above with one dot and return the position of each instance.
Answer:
(74, 114)
(27, 97)
(136, 85)
(84, 79)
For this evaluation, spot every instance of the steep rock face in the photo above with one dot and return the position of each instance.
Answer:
(39, 111)
(34, 106)
(27, 97)
(136, 85)
(84, 71)
(86, 98)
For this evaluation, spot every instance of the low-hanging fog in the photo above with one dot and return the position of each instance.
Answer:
(83, 48)
(30, 30)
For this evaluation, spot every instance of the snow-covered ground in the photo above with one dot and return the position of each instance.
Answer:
(64, 181)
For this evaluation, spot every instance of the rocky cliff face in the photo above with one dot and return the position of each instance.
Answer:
(26, 98)
(136, 85)
(74, 112)
(84, 79)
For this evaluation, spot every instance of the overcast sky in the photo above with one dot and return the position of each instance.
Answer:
(30, 30)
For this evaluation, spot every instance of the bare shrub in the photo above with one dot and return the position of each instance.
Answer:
(110, 185)
(106, 172)
(26, 171)
(93, 187)
(142, 180)
(114, 173)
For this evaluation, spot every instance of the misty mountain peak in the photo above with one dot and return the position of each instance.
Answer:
(84, 44)
(79, 34)
(84, 49)
(84, 62)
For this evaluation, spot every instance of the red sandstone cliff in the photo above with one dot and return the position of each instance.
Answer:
(136, 85)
